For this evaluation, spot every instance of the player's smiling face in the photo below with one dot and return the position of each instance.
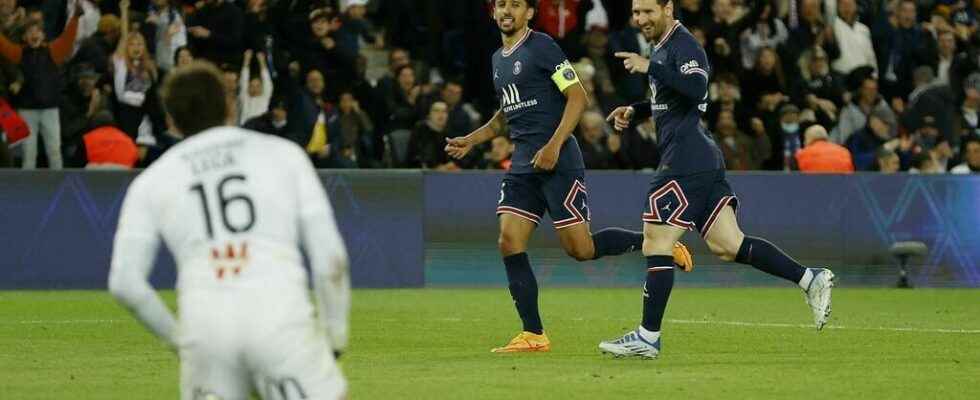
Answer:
(651, 18)
(512, 15)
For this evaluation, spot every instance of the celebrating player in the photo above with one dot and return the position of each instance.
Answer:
(232, 206)
(690, 190)
(542, 100)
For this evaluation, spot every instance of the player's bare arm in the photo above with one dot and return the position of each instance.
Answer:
(458, 147)
(577, 99)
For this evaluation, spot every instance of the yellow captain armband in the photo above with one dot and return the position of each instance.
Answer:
(564, 76)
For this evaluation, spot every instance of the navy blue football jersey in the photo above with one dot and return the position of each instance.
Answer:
(529, 80)
(678, 75)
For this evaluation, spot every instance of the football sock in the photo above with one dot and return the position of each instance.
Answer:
(807, 278)
(524, 291)
(768, 258)
(656, 290)
(648, 335)
(616, 241)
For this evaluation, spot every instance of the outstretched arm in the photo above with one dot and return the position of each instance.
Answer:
(458, 147)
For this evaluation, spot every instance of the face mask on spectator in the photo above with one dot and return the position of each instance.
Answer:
(278, 124)
(791, 128)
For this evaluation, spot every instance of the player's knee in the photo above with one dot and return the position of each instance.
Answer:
(510, 245)
(725, 250)
(579, 253)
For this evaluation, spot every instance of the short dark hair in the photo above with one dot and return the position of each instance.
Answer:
(195, 98)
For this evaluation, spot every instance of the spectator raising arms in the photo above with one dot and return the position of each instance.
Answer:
(134, 73)
(38, 94)
(254, 94)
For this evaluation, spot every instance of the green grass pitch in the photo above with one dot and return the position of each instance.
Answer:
(434, 344)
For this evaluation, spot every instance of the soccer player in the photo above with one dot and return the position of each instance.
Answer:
(541, 100)
(232, 206)
(689, 190)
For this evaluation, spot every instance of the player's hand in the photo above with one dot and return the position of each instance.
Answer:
(634, 63)
(458, 147)
(546, 158)
(621, 117)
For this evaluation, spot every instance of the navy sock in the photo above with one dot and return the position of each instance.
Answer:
(616, 241)
(656, 290)
(768, 258)
(524, 291)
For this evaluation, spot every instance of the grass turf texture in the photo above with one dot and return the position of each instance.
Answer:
(434, 343)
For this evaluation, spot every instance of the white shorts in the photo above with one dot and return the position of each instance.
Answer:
(231, 346)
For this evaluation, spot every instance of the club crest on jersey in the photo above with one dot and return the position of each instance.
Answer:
(517, 68)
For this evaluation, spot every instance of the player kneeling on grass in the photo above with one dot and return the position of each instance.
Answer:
(690, 190)
(233, 205)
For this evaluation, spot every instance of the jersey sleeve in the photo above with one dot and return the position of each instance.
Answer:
(688, 73)
(554, 62)
(329, 264)
(134, 250)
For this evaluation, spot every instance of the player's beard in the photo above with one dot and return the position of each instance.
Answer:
(654, 29)
(510, 30)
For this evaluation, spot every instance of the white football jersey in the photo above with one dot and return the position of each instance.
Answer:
(229, 204)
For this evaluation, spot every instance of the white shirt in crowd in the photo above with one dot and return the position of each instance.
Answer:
(252, 107)
(855, 46)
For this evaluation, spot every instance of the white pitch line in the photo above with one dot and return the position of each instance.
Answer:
(839, 327)
(578, 319)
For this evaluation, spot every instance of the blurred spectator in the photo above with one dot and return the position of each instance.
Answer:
(134, 74)
(599, 150)
(865, 143)
(971, 158)
(640, 146)
(501, 149)
(397, 58)
(855, 115)
(401, 100)
(723, 29)
(886, 161)
(229, 76)
(356, 130)
(107, 147)
(819, 88)
(586, 75)
(461, 121)
(216, 31)
(322, 52)
(922, 79)
(853, 38)
(631, 88)
(767, 81)
(563, 20)
(901, 44)
(597, 50)
(315, 120)
(80, 103)
(821, 155)
(355, 27)
(12, 18)
(274, 122)
(741, 151)
(692, 12)
(165, 19)
(97, 50)
(788, 135)
(183, 56)
(946, 54)
(967, 123)
(38, 94)
(425, 147)
(769, 31)
(810, 31)
(88, 23)
(254, 94)
(726, 96)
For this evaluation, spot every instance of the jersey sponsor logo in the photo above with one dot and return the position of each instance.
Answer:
(511, 98)
(517, 68)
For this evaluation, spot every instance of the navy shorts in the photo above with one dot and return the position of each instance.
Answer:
(561, 194)
(688, 201)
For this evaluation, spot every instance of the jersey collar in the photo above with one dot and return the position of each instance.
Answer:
(667, 35)
(507, 53)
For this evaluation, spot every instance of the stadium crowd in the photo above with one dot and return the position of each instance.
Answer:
(811, 85)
